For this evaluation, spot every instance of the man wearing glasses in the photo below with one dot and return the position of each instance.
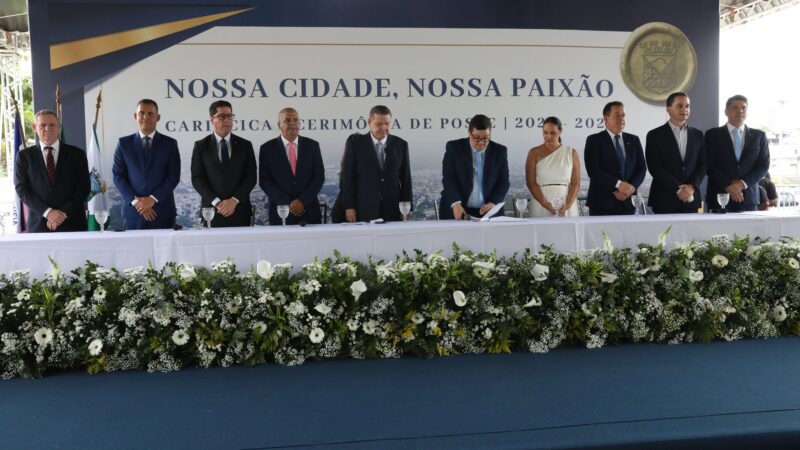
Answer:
(376, 174)
(147, 168)
(224, 170)
(474, 173)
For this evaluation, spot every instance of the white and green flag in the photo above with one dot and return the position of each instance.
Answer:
(97, 196)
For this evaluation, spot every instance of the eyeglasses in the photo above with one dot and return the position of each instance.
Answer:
(224, 116)
(480, 140)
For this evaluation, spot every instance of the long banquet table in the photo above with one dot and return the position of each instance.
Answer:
(299, 245)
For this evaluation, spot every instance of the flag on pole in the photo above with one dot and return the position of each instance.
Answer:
(19, 213)
(97, 196)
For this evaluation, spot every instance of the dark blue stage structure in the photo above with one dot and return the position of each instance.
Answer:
(728, 395)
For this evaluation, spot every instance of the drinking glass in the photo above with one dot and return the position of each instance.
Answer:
(208, 214)
(722, 199)
(101, 216)
(283, 213)
(637, 203)
(405, 208)
(557, 202)
(522, 206)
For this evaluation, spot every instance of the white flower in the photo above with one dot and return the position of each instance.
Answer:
(352, 324)
(482, 268)
(19, 274)
(180, 337)
(779, 313)
(540, 272)
(655, 264)
(464, 258)
(695, 275)
(317, 335)
(322, 308)
(264, 269)
(729, 309)
(719, 261)
(186, 272)
(296, 308)
(418, 318)
(135, 271)
(43, 336)
(432, 325)
(284, 266)
(259, 327)
(24, 294)
(95, 347)
(280, 298)
(357, 288)
(99, 293)
(752, 250)
(487, 333)
(643, 271)
(370, 327)
(606, 277)
(233, 305)
(459, 298)
(794, 264)
(435, 259)
(535, 301)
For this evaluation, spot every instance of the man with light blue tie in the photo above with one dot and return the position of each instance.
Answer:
(147, 168)
(474, 173)
(738, 157)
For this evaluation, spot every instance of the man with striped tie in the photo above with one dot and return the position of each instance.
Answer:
(52, 179)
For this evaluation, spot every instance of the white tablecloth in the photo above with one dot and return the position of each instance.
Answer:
(299, 245)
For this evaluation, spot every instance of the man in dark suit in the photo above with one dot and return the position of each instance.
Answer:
(376, 172)
(738, 157)
(224, 170)
(615, 165)
(676, 159)
(52, 179)
(147, 168)
(474, 173)
(291, 172)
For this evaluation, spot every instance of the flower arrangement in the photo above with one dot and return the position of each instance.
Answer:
(419, 304)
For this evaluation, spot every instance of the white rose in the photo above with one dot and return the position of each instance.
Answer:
(540, 272)
(187, 272)
(357, 288)
(719, 261)
(606, 277)
(264, 269)
(695, 275)
(459, 298)
(323, 309)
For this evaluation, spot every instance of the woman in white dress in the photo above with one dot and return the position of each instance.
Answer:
(553, 174)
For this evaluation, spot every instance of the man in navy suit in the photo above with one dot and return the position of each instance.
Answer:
(474, 173)
(147, 168)
(376, 173)
(676, 160)
(615, 164)
(738, 157)
(224, 170)
(291, 172)
(52, 179)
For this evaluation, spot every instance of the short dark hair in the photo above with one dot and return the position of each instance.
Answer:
(218, 104)
(480, 122)
(735, 98)
(673, 96)
(609, 105)
(555, 121)
(379, 110)
(147, 101)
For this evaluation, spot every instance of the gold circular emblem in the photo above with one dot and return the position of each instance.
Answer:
(658, 60)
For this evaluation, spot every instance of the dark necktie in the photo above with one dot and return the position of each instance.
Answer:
(620, 156)
(379, 153)
(225, 156)
(51, 166)
(146, 146)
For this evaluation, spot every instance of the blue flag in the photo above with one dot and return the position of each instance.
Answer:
(18, 213)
